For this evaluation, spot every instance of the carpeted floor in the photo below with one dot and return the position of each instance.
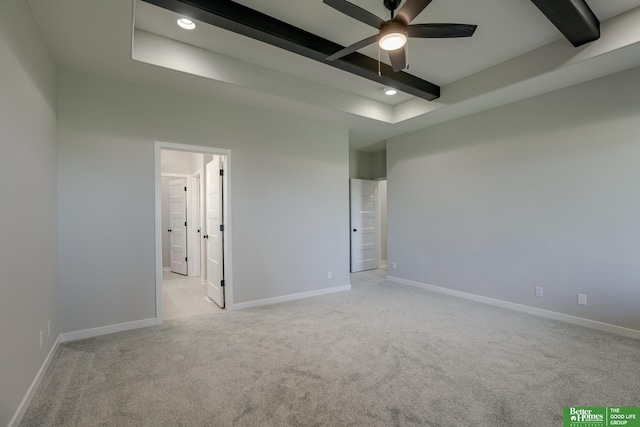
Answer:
(380, 355)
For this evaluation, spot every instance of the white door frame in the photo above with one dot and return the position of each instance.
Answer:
(228, 269)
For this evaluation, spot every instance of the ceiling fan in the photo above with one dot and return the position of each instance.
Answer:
(393, 33)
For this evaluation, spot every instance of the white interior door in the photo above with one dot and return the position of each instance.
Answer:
(194, 228)
(364, 223)
(178, 224)
(215, 287)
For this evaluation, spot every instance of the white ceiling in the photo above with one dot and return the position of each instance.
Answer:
(515, 53)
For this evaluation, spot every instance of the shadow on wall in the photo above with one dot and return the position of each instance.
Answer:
(533, 117)
(36, 61)
(365, 165)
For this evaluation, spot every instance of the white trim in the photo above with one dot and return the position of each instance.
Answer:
(158, 234)
(580, 321)
(28, 397)
(383, 263)
(228, 269)
(104, 330)
(378, 229)
(166, 269)
(175, 175)
(290, 297)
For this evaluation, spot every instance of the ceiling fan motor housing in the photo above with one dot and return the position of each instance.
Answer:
(393, 27)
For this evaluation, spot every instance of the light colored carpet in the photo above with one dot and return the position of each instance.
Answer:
(380, 355)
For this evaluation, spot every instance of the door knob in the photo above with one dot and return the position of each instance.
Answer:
(355, 229)
(169, 230)
(206, 236)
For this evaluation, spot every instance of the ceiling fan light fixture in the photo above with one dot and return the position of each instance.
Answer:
(392, 41)
(393, 36)
(186, 23)
(390, 91)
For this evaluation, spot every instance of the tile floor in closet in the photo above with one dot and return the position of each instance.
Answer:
(184, 296)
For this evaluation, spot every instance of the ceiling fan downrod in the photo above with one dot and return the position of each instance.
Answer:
(392, 5)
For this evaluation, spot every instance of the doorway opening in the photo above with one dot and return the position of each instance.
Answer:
(368, 218)
(193, 230)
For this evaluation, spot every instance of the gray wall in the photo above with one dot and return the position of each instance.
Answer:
(365, 165)
(543, 192)
(289, 198)
(181, 162)
(378, 161)
(354, 164)
(28, 254)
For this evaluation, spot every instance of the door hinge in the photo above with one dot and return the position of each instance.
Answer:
(221, 172)
(185, 188)
(185, 258)
(221, 227)
(222, 283)
(185, 223)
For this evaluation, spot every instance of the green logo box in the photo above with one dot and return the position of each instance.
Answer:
(600, 416)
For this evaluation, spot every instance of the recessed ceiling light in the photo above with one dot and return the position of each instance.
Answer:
(186, 23)
(390, 91)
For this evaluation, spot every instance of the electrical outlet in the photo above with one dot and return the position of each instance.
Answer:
(49, 327)
(41, 338)
(539, 291)
(329, 274)
(394, 265)
(582, 299)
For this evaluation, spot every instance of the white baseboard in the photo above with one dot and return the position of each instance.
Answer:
(104, 330)
(26, 400)
(383, 263)
(290, 297)
(588, 323)
(166, 268)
